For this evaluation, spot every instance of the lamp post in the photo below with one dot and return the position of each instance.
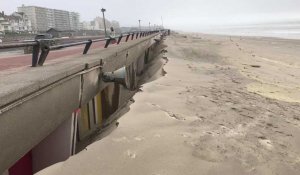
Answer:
(140, 25)
(104, 10)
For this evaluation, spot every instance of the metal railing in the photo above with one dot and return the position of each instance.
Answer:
(42, 47)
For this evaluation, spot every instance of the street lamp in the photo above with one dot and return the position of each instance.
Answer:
(140, 24)
(104, 10)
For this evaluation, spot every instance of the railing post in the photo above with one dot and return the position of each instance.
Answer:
(35, 54)
(127, 37)
(119, 40)
(45, 51)
(107, 42)
(132, 36)
(87, 46)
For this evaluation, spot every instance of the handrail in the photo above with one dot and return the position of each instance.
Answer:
(17, 45)
(44, 46)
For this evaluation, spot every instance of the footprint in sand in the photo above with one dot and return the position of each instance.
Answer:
(121, 139)
(185, 135)
(139, 139)
(131, 154)
(174, 116)
(266, 143)
(169, 113)
(157, 135)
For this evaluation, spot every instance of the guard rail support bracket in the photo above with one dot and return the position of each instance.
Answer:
(132, 36)
(119, 40)
(107, 42)
(137, 35)
(127, 37)
(87, 46)
(45, 51)
(35, 54)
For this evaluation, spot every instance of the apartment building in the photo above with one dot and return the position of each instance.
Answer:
(45, 18)
(74, 21)
(97, 24)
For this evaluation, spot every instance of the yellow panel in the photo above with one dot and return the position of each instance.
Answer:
(99, 108)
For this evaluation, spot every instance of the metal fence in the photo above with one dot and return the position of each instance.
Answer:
(42, 47)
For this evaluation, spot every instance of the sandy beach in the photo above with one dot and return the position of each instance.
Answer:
(225, 105)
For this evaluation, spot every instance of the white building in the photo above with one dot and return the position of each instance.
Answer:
(17, 23)
(74, 21)
(97, 24)
(45, 18)
(4, 25)
(115, 24)
(20, 23)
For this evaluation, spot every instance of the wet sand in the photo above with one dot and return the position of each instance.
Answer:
(226, 105)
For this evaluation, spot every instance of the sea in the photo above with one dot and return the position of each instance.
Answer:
(287, 30)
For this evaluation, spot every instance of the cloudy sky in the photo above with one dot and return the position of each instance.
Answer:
(177, 14)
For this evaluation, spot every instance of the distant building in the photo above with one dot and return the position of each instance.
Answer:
(15, 23)
(97, 24)
(74, 21)
(62, 20)
(86, 25)
(4, 24)
(115, 24)
(44, 18)
(20, 23)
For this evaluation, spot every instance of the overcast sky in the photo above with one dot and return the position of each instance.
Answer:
(177, 14)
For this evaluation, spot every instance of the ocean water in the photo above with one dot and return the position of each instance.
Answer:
(288, 30)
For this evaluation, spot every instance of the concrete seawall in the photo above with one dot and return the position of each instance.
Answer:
(36, 101)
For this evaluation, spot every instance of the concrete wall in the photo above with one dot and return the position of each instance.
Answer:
(56, 147)
(41, 99)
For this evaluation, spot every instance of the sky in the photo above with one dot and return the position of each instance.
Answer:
(185, 15)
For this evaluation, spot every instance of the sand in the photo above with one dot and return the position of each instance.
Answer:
(226, 105)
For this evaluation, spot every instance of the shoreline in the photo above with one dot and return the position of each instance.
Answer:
(243, 36)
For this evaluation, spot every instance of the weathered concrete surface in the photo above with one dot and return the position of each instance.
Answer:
(35, 101)
(18, 84)
(27, 124)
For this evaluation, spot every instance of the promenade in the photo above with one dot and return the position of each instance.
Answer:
(20, 61)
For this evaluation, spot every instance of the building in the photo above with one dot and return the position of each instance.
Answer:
(115, 24)
(4, 24)
(20, 23)
(62, 20)
(74, 21)
(15, 23)
(97, 24)
(44, 18)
